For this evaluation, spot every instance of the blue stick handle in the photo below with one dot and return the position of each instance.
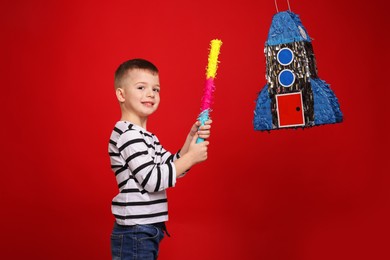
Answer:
(203, 117)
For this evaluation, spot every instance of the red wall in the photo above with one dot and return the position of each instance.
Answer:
(319, 193)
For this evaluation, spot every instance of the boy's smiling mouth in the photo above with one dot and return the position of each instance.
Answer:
(148, 103)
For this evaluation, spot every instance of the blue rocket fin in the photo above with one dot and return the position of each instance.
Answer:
(263, 118)
(326, 105)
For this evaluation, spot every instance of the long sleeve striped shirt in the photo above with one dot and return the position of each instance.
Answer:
(143, 171)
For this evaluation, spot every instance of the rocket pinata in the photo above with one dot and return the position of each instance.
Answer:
(294, 95)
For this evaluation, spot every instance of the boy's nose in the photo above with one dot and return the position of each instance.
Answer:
(150, 93)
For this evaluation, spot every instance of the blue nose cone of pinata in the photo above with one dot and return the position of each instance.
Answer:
(286, 27)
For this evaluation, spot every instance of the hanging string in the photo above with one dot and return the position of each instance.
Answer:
(276, 5)
(288, 3)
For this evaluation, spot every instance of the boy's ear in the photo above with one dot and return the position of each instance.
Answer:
(120, 95)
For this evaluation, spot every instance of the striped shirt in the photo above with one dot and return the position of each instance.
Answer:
(143, 171)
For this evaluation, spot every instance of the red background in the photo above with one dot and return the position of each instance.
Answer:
(319, 193)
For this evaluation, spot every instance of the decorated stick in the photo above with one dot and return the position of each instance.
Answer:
(209, 88)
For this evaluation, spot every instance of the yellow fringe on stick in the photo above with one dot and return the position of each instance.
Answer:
(212, 66)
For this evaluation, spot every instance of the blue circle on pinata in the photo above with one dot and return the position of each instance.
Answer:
(286, 78)
(285, 56)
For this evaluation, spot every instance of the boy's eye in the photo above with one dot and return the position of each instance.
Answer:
(140, 87)
(156, 90)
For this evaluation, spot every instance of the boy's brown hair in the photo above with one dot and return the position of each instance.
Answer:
(132, 64)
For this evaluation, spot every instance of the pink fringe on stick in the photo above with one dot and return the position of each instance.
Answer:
(208, 94)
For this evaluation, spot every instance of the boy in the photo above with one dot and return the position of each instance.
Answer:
(142, 167)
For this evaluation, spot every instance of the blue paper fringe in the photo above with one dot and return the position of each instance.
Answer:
(263, 117)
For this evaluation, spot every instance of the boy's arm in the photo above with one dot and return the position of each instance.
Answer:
(151, 176)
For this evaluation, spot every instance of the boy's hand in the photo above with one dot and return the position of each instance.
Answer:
(197, 152)
(191, 153)
(202, 131)
(196, 131)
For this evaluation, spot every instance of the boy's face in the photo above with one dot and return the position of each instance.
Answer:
(139, 93)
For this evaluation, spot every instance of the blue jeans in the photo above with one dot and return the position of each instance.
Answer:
(139, 242)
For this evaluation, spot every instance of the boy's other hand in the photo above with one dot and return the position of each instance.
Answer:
(203, 131)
